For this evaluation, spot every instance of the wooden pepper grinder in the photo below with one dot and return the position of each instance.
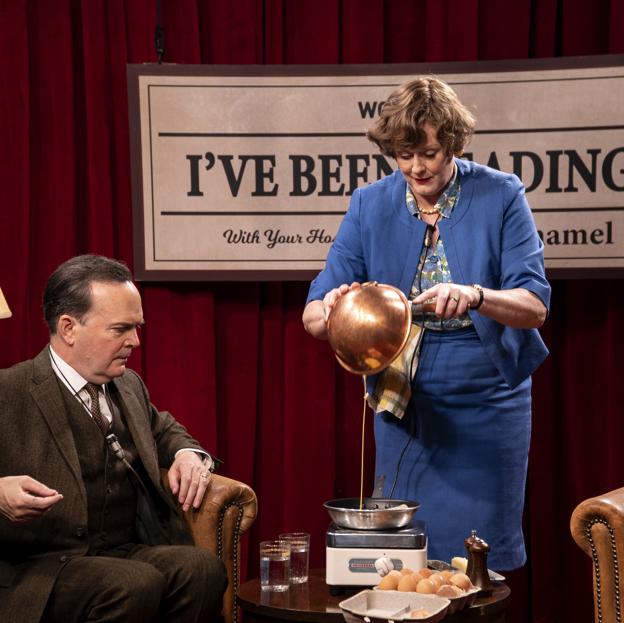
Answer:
(477, 569)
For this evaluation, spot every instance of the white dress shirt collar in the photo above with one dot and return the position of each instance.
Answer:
(68, 376)
(76, 384)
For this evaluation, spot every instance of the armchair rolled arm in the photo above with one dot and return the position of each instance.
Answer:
(597, 526)
(228, 510)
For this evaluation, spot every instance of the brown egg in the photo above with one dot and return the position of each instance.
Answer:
(437, 579)
(425, 586)
(462, 581)
(447, 575)
(449, 591)
(421, 613)
(406, 584)
(389, 582)
(425, 572)
(416, 577)
(407, 571)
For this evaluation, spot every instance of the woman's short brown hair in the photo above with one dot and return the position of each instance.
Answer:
(399, 126)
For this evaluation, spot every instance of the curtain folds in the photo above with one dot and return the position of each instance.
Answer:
(231, 360)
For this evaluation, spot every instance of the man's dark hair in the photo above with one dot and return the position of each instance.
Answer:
(68, 290)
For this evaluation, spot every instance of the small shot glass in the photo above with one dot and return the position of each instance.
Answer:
(299, 555)
(274, 565)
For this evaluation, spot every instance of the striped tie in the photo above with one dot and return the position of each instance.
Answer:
(94, 393)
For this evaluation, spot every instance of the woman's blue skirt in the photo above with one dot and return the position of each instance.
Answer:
(464, 441)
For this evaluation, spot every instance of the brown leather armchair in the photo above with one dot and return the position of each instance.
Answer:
(597, 526)
(227, 511)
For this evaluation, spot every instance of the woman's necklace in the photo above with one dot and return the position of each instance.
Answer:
(428, 212)
(435, 210)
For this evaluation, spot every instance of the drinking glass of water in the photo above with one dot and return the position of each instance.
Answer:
(299, 555)
(274, 565)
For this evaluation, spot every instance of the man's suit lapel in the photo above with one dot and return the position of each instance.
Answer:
(46, 394)
(140, 431)
(139, 428)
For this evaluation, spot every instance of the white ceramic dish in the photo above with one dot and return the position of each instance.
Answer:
(440, 565)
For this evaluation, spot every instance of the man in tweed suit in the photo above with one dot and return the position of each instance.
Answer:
(77, 540)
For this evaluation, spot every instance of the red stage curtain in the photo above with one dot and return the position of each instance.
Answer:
(231, 360)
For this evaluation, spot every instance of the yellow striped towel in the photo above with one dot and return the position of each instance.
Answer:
(394, 388)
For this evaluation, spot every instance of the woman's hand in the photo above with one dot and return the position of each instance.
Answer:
(331, 298)
(517, 308)
(316, 313)
(452, 299)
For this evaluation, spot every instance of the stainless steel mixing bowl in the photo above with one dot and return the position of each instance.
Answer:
(375, 514)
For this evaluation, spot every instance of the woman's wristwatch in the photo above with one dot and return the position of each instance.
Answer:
(479, 289)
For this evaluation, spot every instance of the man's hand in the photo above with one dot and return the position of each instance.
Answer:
(188, 478)
(23, 498)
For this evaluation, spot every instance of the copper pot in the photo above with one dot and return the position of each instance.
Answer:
(368, 327)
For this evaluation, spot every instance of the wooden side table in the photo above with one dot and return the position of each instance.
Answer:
(312, 602)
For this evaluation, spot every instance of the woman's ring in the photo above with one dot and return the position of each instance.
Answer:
(203, 475)
(456, 299)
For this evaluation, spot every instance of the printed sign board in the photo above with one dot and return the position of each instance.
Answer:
(246, 172)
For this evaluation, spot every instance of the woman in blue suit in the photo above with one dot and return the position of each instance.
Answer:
(454, 434)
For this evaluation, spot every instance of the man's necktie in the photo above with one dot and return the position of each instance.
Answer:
(94, 393)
